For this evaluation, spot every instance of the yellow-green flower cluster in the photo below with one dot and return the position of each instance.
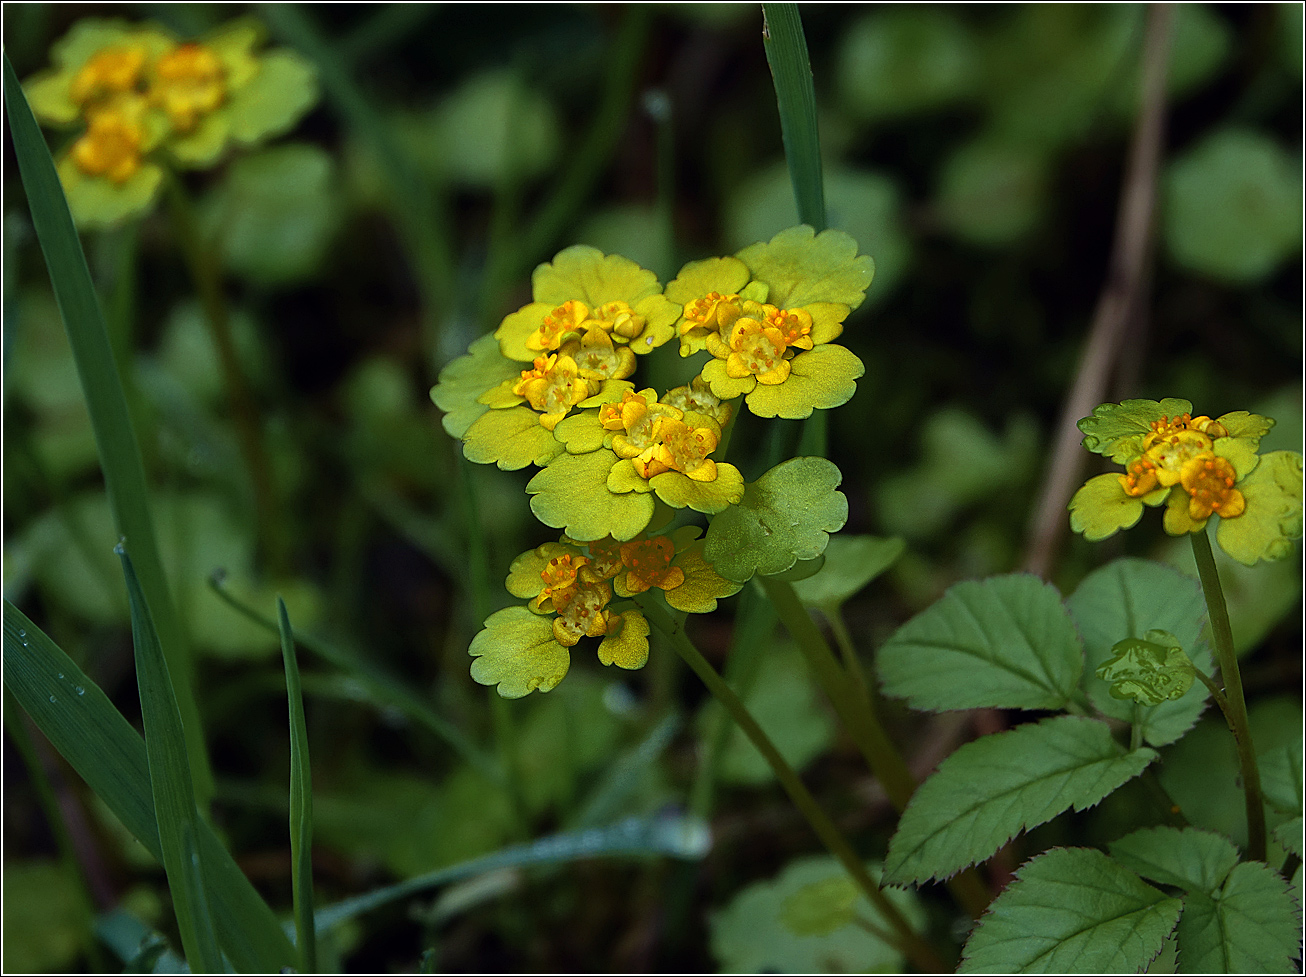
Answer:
(553, 388)
(1197, 467)
(139, 98)
(570, 587)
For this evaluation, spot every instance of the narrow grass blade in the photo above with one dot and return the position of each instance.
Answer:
(120, 456)
(301, 802)
(622, 777)
(82, 724)
(676, 836)
(384, 689)
(795, 96)
(174, 798)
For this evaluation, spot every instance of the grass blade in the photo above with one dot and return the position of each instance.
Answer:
(301, 802)
(795, 96)
(115, 440)
(82, 724)
(175, 814)
(677, 836)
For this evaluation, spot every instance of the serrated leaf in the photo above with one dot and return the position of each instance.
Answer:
(1005, 642)
(1127, 598)
(748, 935)
(1289, 836)
(851, 562)
(517, 652)
(1072, 910)
(1250, 927)
(1117, 430)
(785, 516)
(1185, 857)
(800, 266)
(1148, 671)
(990, 790)
(572, 494)
(466, 378)
(1281, 777)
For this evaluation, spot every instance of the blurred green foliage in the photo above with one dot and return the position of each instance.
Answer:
(975, 152)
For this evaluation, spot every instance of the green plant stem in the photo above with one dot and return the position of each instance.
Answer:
(920, 953)
(870, 736)
(1234, 708)
(206, 273)
(851, 663)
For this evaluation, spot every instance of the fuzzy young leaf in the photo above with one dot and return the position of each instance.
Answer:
(1117, 430)
(785, 516)
(1148, 671)
(1072, 910)
(1250, 926)
(995, 787)
(1188, 858)
(851, 562)
(1126, 599)
(1006, 642)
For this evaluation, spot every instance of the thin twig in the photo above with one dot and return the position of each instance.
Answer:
(1122, 294)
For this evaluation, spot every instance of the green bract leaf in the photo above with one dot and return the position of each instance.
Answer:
(99, 202)
(1149, 670)
(1273, 518)
(274, 99)
(511, 437)
(1072, 910)
(800, 266)
(995, 787)
(466, 378)
(823, 377)
(785, 516)
(1249, 927)
(1187, 858)
(627, 646)
(588, 275)
(851, 562)
(1101, 508)
(1125, 599)
(749, 936)
(572, 494)
(1117, 430)
(517, 652)
(702, 586)
(680, 491)
(1006, 643)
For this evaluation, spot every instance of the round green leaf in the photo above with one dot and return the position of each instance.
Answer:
(785, 516)
(992, 192)
(517, 652)
(273, 101)
(572, 494)
(851, 562)
(511, 438)
(1233, 206)
(494, 128)
(1273, 518)
(800, 267)
(823, 377)
(464, 380)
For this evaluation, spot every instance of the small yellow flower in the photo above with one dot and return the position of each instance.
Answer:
(553, 388)
(649, 563)
(1197, 468)
(188, 82)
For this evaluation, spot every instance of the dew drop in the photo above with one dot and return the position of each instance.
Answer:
(80, 690)
(53, 699)
(61, 674)
(22, 633)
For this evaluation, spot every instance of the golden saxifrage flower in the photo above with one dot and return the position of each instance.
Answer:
(140, 100)
(555, 387)
(1197, 467)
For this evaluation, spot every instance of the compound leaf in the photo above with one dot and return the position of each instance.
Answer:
(1006, 642)
(1248, 926)
(1185, 857)
(1072, 910)
(995, 787)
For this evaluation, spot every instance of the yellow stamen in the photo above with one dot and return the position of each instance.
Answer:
(649, 562)
(1209, 480)
(189, 82)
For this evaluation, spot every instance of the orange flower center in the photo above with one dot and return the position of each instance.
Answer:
(1209, 480)
(649, 562)
(111, 146)
(109, 72)
(189, 82)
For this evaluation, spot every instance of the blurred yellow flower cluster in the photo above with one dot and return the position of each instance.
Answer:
(141, 100)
